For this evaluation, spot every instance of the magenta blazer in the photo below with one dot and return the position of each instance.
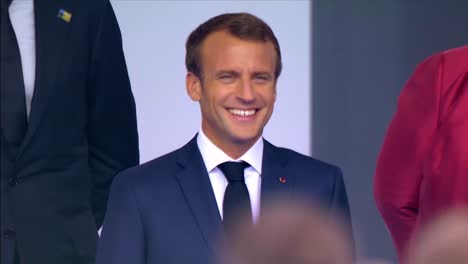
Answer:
(423, 165)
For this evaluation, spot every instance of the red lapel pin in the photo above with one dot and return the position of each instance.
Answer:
(282, 179)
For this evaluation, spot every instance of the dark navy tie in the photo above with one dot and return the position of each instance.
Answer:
(236, 198)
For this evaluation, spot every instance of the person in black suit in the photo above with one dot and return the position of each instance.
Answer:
(61, 149)
(175, 208)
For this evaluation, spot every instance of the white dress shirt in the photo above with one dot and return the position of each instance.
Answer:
(213, 156)
(22, 19)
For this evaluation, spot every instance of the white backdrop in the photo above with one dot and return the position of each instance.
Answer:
(154, 34)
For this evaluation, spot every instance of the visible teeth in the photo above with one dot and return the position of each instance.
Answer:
(239, 112)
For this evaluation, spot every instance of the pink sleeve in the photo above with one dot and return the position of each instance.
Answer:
(408, 139)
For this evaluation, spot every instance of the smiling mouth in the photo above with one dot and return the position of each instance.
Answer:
(242, 113)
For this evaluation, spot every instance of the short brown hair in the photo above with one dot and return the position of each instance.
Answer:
(241, 25)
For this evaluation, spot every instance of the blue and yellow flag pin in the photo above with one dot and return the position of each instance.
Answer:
(64, 15)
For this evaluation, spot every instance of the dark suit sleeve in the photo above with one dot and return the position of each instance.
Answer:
(112, 128)
(122, 237)
(340, 204)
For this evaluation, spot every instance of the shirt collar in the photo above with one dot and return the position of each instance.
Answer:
(213, 156)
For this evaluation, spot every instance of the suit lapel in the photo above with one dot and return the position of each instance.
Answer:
(196, 186)
(275, 178)
(51, 34)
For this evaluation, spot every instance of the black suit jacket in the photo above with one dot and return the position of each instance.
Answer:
(164, 211)
(81, 132)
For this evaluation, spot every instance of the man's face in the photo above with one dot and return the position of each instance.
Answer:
(238, 90)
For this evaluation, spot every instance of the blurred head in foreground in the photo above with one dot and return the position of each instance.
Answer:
(444, 240)
(289, 232)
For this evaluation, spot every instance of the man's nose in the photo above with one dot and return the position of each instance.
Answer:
(246, 91)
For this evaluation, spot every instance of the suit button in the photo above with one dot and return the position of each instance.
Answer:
(9, 233)
(12, 181)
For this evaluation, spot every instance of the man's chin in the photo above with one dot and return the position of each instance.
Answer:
(243, 140)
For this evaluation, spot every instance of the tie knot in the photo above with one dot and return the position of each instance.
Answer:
(234, 171)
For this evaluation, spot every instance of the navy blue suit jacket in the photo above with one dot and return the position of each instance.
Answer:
(165, 211)
(82, 131)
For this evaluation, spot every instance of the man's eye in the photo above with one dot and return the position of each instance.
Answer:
(262, 78)
(226, 76)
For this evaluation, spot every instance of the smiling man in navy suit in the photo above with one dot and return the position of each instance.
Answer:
(174, 208)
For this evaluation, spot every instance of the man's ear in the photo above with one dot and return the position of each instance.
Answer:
(193, 86)
(274, 92)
